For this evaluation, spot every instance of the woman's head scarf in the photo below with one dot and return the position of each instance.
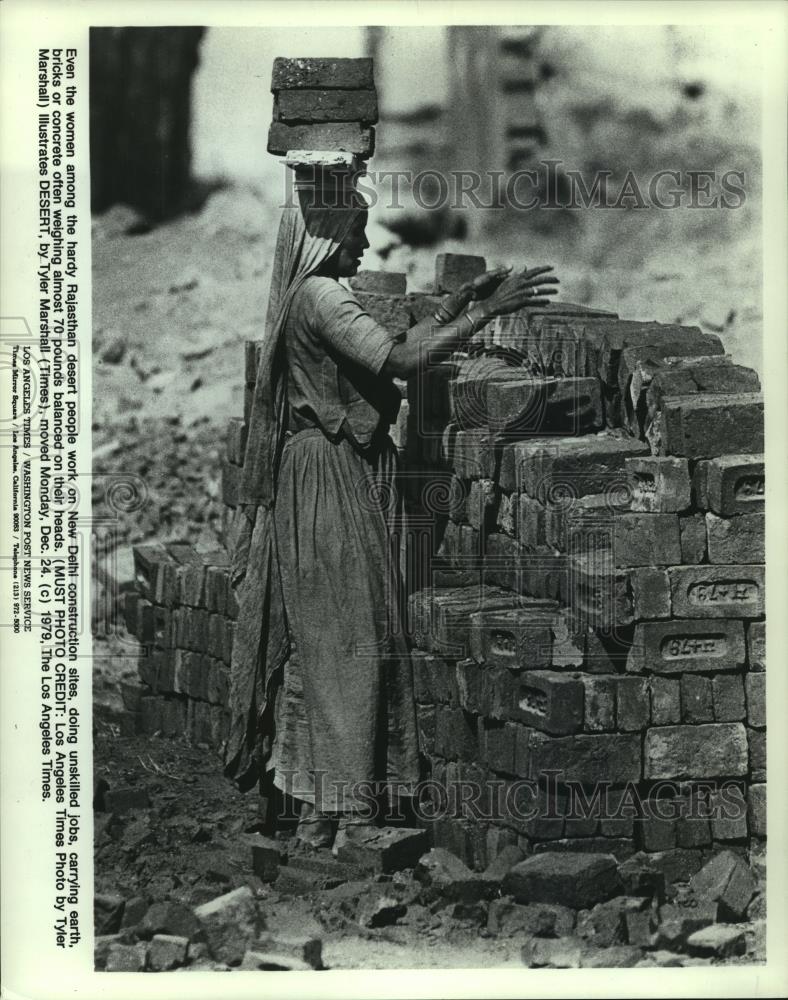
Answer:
(309, 234)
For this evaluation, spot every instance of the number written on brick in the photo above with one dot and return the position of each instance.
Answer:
(676, 647)
(749, 488)
(740, 591)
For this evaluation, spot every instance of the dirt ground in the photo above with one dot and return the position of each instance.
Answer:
(172, 308)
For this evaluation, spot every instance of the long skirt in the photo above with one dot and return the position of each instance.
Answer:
(346, 714)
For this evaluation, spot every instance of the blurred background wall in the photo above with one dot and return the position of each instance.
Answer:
(471, 98)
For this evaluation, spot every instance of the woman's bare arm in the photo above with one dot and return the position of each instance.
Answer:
(530, 287)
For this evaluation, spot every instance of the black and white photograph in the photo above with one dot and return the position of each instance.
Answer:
(428, 383)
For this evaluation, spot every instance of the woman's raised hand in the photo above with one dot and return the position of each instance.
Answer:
(530, 287)
(483, 285)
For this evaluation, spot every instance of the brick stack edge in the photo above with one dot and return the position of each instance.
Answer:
(588, 495)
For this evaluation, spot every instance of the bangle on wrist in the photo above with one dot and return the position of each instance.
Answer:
(471, 320)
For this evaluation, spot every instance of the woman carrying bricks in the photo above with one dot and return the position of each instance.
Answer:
(321, 695)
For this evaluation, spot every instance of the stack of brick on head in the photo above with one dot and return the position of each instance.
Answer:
(324, 110)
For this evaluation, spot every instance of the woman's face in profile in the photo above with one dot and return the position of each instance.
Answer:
(352, 248)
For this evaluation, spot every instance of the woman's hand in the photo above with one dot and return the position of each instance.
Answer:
(483, 285)
(531, 287)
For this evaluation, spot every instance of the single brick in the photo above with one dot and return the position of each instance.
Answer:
(191, 580)
(659, 485)
(217, 682)
(481, 505)
(215, 636)
(705, 751)
(309, 106)
(717, 591)
(385, 849)
(188, 670)
(619, 335)
(657, 832)
(756, 809)
(216, 586)
(266, 856)
(730, 484)
(471, 691)
(551, 702)
(471, 454)
(728, 697)
(532, 521)
(756, 645)
(542, 405)
(665, 701)
(379, 282)
(600, 704)
(728, 814)
(236, 440)
(755, 688)
(455, 735)
(517, 638)
(632, 704)
(230, 923)
(347, 137)
(756, 747)
(470, 390)
(692, 819)
(687, 645)
(555, 468)
(696, 699)
(705, 425)
(434, 679)
(455, 269)
(692, 528)
(426, 727)
(231, 484)
(646, 539)
(326, 74)
(147, 559)
(738, 539)
(575, 880)
(683, 376)
(606, 597)
(497, 742)
(166, 952)
(581, 758)
(717, 941)
(252, 349)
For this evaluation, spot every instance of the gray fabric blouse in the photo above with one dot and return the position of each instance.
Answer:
(335, 354)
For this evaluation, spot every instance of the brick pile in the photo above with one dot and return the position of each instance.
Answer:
(585, 549)
(591, 494)
(183, 613)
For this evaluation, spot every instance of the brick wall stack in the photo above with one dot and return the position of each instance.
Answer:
(585, 549)
(183, 613)
(589, 496)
